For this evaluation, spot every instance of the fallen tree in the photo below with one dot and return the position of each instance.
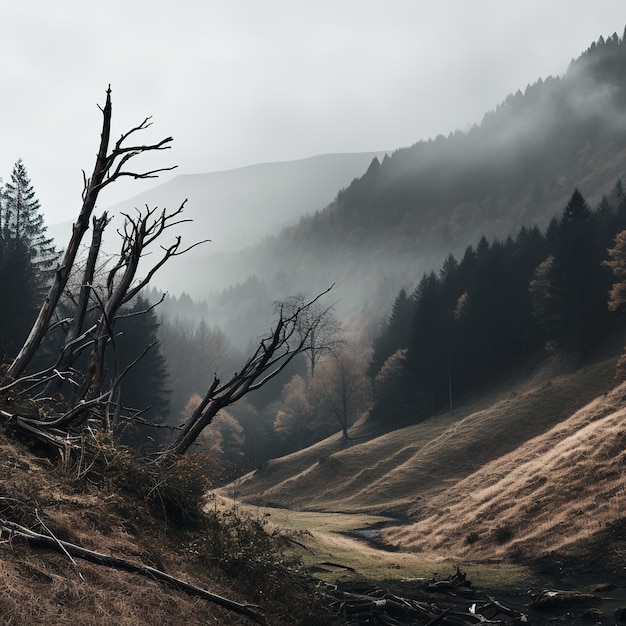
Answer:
(293, 334)
(12, 531)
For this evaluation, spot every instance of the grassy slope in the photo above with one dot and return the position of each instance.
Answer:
(38, 586)
(514, 468)
(557, 489)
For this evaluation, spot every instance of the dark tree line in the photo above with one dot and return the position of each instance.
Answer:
(504, 300)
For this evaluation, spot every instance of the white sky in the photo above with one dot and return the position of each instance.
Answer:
(238, 82)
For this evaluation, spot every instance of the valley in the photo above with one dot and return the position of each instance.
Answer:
(480, 489)
(387, 373)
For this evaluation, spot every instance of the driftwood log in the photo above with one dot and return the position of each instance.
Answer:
(11, 530)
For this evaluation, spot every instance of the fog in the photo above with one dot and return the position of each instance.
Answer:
(248, 94)
(414, 206)
(241, 83)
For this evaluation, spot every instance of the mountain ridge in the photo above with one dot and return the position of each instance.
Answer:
(222, 204)
(409, 210)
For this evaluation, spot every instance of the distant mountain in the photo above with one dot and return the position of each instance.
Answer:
(237, 208)
(409, 210)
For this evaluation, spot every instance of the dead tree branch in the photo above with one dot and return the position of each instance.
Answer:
(70, 351)
(15, 531)
(109, 167)
(138, 233)
(289, 338)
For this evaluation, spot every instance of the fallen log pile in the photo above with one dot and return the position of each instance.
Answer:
(446, 602)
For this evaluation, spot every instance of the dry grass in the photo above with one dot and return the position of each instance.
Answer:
(558, 489)
(36, 590)
(396, 473)
(38, 586)
(532, 468)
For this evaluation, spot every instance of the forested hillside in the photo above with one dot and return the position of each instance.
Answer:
(464, 326)
(408, 212)
(446, 310)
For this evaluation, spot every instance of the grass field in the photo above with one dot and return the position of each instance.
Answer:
(532, 468)
(329, 551)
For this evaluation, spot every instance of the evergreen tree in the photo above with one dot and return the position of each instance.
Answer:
(394, 335)
(26, 259)
(569, 288)
(22, 220)
(426, 355)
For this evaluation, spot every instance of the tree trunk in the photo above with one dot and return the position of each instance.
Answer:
(90, 195)
(69, 348)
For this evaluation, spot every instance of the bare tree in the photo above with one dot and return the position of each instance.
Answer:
(110, 166)
(322, 329)
(140, 231)
(291, 335)
(341, 389)
(138, 234)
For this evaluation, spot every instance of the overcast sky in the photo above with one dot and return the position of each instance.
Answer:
(238, 82)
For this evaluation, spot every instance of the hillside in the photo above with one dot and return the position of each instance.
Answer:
(408, 211)
(546, 440)
(97, 504)
(517, 167)
(555, 490)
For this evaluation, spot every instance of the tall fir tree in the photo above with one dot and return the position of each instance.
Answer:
(27, 257)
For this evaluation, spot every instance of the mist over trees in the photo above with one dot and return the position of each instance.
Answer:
(477, 318)
(537, 276)
(411, 209)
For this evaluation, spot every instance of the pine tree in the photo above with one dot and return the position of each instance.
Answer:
(569, 288)
(395, 333)
(23, 221)
(27, 256)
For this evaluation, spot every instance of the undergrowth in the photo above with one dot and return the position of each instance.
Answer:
(171, 502)
(174, 493)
